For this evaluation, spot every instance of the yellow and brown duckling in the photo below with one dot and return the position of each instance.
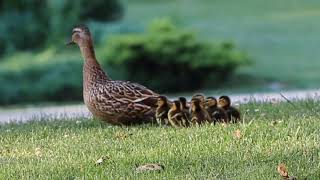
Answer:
(162, 110)
(200, 97)
(198, 114)
(233, 113)
(217, 114)
(176, 116)
(185, 109)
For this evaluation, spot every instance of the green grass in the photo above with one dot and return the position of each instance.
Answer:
(270, 134)
(281, 36)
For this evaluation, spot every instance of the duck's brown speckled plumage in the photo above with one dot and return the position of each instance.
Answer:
(117, 102)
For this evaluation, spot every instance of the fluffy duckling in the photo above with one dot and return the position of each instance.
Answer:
(185, 109)
(162, 110)
(233, 113)
(217, 114)
(198, 114)
(200, 97)
(175, 115)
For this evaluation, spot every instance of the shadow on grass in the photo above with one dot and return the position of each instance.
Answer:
(53, 122)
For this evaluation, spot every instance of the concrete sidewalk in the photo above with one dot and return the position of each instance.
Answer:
(70, 111)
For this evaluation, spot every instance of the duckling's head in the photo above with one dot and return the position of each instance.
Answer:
(81, 36)
(162, 100)
(183, 102)
(176, 105)
(224, 101)
(195, 105)
(198, 96)
(211, 102)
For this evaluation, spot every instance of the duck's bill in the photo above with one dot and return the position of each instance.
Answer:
(70, 43)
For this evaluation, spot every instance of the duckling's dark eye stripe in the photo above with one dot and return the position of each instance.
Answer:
(76, 30)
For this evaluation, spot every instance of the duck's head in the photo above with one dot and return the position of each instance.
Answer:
(211, 102)
(224, 101)
(175, 105)
(162, 100)
(80, 35)
(183, 102)
(198, 96)
(195, 105)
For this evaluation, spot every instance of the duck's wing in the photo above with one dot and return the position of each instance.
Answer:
(131, 91)
(123, 99)
(122, 89)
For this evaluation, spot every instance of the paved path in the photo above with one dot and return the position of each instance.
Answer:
(70, 111)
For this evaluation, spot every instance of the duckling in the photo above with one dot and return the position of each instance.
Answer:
(198, 114)
(162, 110)
(176, 115)
(185, 110)
(217, 114)
(200, 97)
(233, 113)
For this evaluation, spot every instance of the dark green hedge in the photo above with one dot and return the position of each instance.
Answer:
(169, 59)
(26, 78)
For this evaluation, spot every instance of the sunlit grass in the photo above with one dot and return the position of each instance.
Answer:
(270, 133)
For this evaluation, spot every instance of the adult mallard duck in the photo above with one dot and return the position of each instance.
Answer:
(116, 102)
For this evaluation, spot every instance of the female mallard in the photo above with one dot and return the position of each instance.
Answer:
(116, 102)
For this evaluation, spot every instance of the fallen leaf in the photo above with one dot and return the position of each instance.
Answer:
(282, 169)
(101, 160)
(38, 151)
(122, 135)
(273, 123)
(150, 167)
(237, 134)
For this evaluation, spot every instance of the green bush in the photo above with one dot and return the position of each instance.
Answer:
(51, 75)
(33, 23)
(168, 59)
(25, 78)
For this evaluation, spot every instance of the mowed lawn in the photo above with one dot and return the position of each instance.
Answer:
(270, 134)
(282, 37)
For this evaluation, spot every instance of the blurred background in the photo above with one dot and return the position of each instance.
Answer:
(170, 46)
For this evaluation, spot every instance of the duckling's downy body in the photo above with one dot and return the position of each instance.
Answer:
(217, 114)
(185, 109)
(176, 115)
(115, 102)
(162, 111)
(198, 114)
(233, 113)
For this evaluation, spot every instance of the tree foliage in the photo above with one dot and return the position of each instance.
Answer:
(29, 24)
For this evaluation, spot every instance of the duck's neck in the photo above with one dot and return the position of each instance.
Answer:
(92, 71)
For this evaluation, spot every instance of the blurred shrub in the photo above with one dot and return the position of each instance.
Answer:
(30, 24)
(168, 59)
(40, 77)
(51, 75)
